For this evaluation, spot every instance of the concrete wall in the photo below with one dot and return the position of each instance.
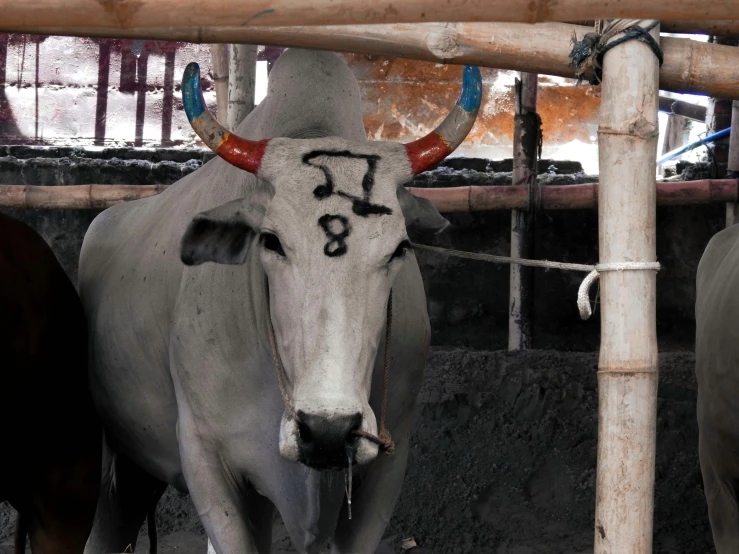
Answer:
(468, 300)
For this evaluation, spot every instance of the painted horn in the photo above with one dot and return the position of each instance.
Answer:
(243, 153)
(428, 151)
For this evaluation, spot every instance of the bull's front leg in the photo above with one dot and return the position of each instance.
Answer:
(236, 519)
(374, 499)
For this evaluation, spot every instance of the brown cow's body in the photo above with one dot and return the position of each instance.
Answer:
(51, 460)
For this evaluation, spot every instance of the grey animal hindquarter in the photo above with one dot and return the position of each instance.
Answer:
(717, 372)
(171, 343)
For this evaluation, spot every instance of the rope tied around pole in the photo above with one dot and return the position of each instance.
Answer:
(583, 293)
(587, 53)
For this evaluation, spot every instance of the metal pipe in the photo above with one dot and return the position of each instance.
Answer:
(705, 140)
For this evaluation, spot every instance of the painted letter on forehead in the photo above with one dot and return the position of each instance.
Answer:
(360, 205)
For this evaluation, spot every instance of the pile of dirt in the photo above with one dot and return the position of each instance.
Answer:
(503, 461)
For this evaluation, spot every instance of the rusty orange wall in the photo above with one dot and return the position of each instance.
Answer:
(50, 93)
(404, 99)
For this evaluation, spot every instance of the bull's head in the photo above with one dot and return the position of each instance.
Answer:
(333, 236)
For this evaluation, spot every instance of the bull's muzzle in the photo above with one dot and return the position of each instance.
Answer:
(328, 442)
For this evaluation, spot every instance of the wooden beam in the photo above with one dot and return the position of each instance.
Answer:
(571, 197)
(526, 134)
(689, 66)
(734, 139)
(126, 14)
(242, 80)
(74, 196)
(720, 28)
(685, 109)
(627, 367)
(219, 61)
(446, 200)
(732, 207)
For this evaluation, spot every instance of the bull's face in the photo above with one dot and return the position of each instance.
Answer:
(332, 239)
(332, 234)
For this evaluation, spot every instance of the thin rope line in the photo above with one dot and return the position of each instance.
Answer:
(583, 293)
(504, 259)
(280, 371)
(383, 438)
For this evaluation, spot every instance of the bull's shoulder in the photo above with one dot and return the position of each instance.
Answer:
(721, 250)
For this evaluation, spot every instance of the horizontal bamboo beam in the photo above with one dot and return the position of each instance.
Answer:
(74, 196)
(685, 109)
(570, 197)
(126, 14)
(689, 66)
(447, 200)
(720, 28)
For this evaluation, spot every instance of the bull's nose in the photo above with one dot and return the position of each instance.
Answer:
(327, 442)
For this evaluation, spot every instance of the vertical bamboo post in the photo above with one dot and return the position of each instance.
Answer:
(242, 76)
(677, 133)
(526, 134)
(219, 61)
(627, 369)
(718, 117)
(732, 208)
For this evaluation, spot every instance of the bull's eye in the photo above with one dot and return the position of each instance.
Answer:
(269, 241)
(401, 250)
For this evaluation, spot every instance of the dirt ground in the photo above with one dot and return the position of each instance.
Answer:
(503, 462)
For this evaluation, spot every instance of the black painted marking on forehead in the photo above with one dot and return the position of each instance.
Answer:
(330, 225)
(360, 206)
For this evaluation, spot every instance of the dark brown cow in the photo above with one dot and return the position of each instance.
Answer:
(50, 467)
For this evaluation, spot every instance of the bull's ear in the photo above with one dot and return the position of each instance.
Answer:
(421, 217)
(221, 235)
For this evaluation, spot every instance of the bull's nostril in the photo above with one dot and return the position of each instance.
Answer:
(304, 432)
(352, 437)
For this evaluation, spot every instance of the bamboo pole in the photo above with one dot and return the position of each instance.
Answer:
(734, 139)
(447, 200)
(685, 109)
(526, 134)
(732, 208)
(677, 134)
(74, 196)
(219, 60)
(241, 83)
(571, 197)
(126, 14)
(689, 66)
(720, 28)
(627, 369)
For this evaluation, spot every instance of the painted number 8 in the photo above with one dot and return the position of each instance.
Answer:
(337, 228)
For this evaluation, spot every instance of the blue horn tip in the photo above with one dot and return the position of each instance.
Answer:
(192, 96)
(471, 96)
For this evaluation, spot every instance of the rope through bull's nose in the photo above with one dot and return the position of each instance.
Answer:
(383, 438)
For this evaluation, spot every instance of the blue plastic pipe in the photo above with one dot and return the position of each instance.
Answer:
(710, 138)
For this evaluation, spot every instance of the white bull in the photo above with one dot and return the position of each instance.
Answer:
(305, 247)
